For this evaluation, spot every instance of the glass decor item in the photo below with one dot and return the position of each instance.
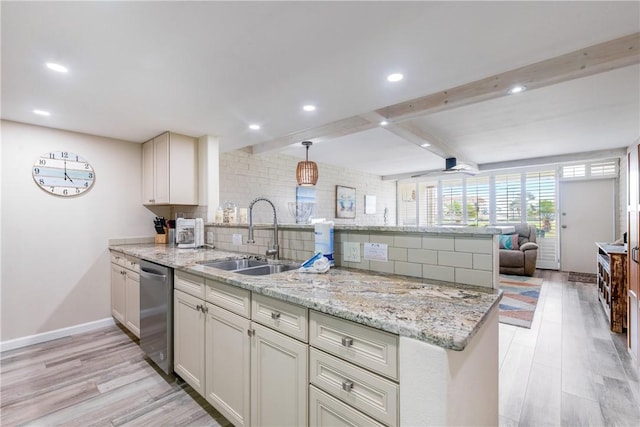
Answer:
(229, 213)
(301, 211)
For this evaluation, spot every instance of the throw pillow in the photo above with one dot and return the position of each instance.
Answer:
(508, 241)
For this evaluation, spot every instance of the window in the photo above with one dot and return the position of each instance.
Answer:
(508, 190)
(541, 202)
(603, 169)
(428, 212)
(573, 171)
(478, 202)
(452, 201)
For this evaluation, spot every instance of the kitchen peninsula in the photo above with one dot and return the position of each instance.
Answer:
(438, 350)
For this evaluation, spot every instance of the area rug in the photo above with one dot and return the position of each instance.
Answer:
(519, 299)
(581, 277)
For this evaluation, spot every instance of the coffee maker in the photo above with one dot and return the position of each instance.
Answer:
(189, 232)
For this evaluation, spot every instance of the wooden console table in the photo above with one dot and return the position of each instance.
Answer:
(612, 283)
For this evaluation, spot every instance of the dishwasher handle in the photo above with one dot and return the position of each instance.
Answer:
(152, 276)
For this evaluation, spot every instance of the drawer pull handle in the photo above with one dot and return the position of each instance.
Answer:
(275, 315)
(347, 385)
(347, 341)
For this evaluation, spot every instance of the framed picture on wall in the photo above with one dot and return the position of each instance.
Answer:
(345, 202)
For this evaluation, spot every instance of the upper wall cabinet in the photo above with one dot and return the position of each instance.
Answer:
(170, 170)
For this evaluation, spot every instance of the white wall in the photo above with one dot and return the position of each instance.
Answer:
(55, 262)
(245, 176)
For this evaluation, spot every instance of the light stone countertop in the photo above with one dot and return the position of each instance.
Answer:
(439, 229)
(439, 313)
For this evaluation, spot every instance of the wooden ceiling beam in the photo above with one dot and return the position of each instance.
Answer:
(331, 130)
(607, 56)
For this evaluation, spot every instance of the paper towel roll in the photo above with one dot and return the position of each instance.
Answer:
(324, 239)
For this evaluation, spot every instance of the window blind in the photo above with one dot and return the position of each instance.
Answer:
(478, 202)
(452, 201)
(508, 190)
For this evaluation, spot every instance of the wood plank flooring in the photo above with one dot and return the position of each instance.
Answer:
(99, 378)
(567, 370)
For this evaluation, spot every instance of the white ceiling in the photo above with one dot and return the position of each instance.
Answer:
(212, 68)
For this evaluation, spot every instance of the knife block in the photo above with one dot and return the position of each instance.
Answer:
(161, 239)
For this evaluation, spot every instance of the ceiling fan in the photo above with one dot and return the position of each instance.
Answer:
(451, 167)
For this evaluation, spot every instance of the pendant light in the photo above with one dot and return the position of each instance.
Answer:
(307, 172)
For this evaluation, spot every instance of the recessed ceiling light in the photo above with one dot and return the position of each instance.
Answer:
(516, 89)
(57, 67)
(426, 144)
(254, 127)
(384, 123)
(395, 77)
(42, 112)
(309, 107)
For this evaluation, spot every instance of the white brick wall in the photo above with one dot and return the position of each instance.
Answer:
(460, 259)
(245, 176)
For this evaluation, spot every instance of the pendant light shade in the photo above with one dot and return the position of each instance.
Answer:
(307, 172)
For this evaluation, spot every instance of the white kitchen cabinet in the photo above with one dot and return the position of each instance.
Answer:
(189, 340)
(132, 302)
(125, 291)
(279, 379)
(118, 298)
(228, 349)
(170, 170)
(327, 411)
(363, 376)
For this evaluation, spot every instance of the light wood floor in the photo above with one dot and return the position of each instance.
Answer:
(567, 370)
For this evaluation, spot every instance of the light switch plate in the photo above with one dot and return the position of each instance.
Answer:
(351, 251)
(237, 239)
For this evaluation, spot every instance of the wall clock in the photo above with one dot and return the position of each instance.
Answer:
(63, 173)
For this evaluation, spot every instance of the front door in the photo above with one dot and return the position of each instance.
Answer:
(587, 216)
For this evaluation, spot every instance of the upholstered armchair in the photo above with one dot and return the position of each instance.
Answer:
(519, 251)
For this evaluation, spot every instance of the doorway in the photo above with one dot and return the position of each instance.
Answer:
(587, 216)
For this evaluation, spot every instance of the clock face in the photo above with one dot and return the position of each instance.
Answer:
(63, 173)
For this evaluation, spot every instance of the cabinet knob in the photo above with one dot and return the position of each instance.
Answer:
(251, 332)
(275, 315)
(347, 341)
(347, 385)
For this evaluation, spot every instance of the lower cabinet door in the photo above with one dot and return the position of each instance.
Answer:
(132, 302)
(327, 411)
(118, 307)
(279, 379)
(188, 339)
(228, 350)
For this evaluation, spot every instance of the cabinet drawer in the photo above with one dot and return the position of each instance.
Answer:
(368, 347)
(290, 319)
(232, 298)
(327, 411)
(368, 392)
(132, 263)
(118, 258)
(189, 283)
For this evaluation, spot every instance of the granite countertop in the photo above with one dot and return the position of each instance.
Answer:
(439, 313)
(436, 229)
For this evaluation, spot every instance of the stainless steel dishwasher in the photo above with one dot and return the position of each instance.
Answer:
(156, 314)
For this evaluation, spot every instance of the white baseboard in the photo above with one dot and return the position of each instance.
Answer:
(52, 335)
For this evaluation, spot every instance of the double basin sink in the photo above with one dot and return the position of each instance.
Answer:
(250, 267)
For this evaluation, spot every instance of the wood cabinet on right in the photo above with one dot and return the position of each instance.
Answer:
(633, 238)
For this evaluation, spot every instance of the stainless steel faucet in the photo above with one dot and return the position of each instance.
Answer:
(275, 249)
